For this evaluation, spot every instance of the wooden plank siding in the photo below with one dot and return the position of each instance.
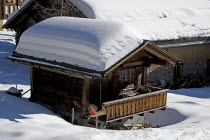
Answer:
(135, 105)
(60, 91)
(191, 53)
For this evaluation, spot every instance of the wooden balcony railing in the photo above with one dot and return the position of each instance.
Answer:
(135, 105)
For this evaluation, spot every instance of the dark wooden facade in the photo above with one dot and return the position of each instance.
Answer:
(58, 90)
(65, 89)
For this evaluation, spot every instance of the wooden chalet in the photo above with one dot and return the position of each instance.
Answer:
(119, 91)
(189, 48)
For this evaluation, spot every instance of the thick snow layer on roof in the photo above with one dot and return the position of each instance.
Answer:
(155, 20)
(88, 43)
(172, 28)
(138, 9)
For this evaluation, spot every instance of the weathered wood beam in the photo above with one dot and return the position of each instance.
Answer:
(157, 62)
(133, 64)
(162, 54)
(85, 94)
(144, 76)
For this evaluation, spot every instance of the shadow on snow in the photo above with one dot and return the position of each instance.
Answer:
(194, 92)
(14, 108)
(11, 72)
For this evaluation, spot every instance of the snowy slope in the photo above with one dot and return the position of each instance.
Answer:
(89, 43)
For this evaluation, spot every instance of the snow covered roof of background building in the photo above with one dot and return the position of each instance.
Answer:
(142, 9)
(87, 43)
(155, 20)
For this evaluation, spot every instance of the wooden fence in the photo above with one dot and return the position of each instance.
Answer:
(135, 105)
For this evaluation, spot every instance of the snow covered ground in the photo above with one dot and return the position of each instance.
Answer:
(187, 116)
(11, 73)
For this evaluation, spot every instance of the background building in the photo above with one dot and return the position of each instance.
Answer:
(6, 8)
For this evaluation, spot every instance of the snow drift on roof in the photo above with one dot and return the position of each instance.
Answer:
(172, 28)
(88, 43)
(155, 20)
(138, 9)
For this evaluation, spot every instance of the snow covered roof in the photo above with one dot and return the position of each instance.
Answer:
(87, 43)
(142, 9)
(155, 20)
(162, 20)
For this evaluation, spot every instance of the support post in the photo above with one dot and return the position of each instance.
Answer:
(208, 67)
(32, 80)
(96, 121)
(178, 72)
(72, 116)
(100, 93)
(85, 94)
(144, 76)
(115, 82)
(17, 3)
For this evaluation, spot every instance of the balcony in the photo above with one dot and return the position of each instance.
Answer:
(138, 104)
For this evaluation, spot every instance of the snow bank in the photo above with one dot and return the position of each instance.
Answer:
(88, 43)
(21, 119)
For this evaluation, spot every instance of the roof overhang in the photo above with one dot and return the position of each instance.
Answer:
(148, 46)
(54, 67)
(155, 50)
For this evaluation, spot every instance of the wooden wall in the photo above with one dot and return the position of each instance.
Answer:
(191, 53)
(58, 90)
